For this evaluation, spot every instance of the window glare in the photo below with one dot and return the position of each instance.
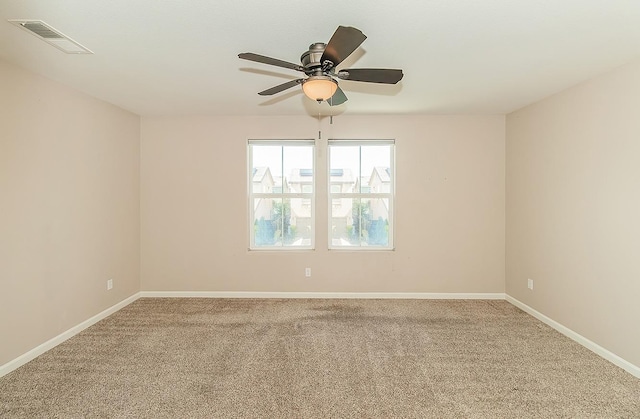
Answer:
(297, 158)
(268, 156)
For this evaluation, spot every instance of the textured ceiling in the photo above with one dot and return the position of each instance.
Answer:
(170, 57)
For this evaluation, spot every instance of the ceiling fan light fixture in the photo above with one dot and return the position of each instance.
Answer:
(319, 64)
(319, 88)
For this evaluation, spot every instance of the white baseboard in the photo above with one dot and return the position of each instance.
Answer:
(40, 349)
(328, 295)
(592, 346)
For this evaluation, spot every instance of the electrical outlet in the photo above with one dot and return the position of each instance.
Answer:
(530, 283)
(307, 272)
(109, 284)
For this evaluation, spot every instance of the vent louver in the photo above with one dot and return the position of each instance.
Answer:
(41, 30)
(51, 36)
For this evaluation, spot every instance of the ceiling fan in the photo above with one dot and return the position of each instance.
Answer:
(319, 65)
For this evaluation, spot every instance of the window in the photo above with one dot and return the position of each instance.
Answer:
(361, 194)
(281, 194)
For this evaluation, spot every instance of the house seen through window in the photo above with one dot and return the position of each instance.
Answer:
(361, 183)
(281, 194)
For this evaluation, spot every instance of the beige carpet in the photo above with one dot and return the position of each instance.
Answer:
(319, 358)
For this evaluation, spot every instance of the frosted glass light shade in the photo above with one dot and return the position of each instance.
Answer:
(319, 87)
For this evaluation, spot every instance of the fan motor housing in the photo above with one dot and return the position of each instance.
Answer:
(311, 59)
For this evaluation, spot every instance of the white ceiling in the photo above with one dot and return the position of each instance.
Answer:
(171, 57)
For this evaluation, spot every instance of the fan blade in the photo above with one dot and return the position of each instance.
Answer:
(344, 41)
(268, 60)
(371, 75)
(338, 98)
(279, 88)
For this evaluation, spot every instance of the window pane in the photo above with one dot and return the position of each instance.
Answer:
(376, 169)
(298, 230)
(360, 222)
(344, 168)
(298, 168)
(264, 223)
(342, 223)
(378, 223)
(281, 169)
(267, 169)
(281, 222)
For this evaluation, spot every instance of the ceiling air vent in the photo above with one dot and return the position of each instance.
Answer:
(51, 36)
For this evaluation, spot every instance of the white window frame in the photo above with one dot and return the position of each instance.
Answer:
(390, 195)
(283, 195)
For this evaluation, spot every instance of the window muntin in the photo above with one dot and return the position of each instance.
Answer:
(361, 190)
(281, 194)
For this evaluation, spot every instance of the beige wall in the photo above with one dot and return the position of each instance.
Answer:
(573, 209)
(450, 207)
(69, 208)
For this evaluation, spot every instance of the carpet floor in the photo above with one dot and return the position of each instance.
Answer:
(226, 358)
